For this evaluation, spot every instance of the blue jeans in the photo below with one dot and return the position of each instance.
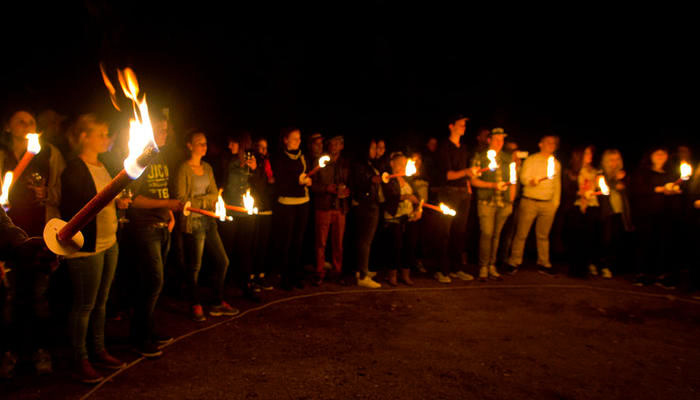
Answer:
(91, 278)
(204, 236)
(151, 246)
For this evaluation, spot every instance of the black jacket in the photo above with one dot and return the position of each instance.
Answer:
(78, 188)
(392, 194)
(287, 171)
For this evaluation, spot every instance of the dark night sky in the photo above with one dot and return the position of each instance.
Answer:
(623, 78)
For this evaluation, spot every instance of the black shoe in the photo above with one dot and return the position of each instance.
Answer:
(510, 269)
(549, 271)
(162, 340)
(148, 350)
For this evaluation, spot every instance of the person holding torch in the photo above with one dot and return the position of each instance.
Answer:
(541, 179)
(495, 197)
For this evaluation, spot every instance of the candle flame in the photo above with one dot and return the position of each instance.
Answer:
(33, 145)
(410, 167)
(140, 129)
(220, 209)
(447, 210)
(110, 87)
(686, 171)
(249, 203)
(604, 189)
(323, 161)
(491, 155)
(551, 170)
(5, 194)
(513, 174)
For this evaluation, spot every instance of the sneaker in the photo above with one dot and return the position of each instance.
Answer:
(462, 275)
(368, 283)
(510, 269)
(606, 273)
(162, 340)
(42, 362)
(85, 373)
(198, 313)
(7, 365)
(593, 270)
(493, 273)
(549, 271)
(483, 274)
(148, 350)
(440, 277)
(106, 360)
(223, 309)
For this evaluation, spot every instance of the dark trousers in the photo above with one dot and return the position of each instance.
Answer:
(402, 237)
(151, 245)
(291, 223)
(263, 227)
(32, 313)
(654, 231)
(584, 239)
(453, 238)
(204, 238)
(367, 219)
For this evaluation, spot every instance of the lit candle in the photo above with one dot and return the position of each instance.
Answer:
(410, 171)
(513, 174)
(442, 208)
(33, 147)
(493, 165)
(188, 209)
(5, 194)
(603, 186)
(551, 169)
(65, 238)
(686, 172)
(322, 162)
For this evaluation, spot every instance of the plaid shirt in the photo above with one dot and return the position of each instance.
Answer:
(497, 198)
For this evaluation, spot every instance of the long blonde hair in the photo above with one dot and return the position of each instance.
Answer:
(605, 161)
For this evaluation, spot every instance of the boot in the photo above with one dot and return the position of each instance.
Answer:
(392, 278)
(406, 276)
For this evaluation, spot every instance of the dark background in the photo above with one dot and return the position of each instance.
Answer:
(622, 78)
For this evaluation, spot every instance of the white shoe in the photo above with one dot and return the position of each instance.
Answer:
(493, 272)
(606, 273)
(462, 275)
(368, 283)
(440, 277)
(483, 274)
(593, 270)
(371, 274)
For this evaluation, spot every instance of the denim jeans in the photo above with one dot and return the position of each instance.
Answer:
(204, 237)
(367, 221)
(528, 211)
(151, 246)
(91, 278)
(491, 220)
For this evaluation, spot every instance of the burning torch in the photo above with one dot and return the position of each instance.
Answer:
(410, 171)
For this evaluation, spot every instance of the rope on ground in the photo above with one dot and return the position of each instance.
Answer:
(384, 291)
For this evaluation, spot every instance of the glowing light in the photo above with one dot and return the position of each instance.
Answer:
(604, 189)
(220, 208)
(6, 184)
(410, 167)
(249, 203)
(551, 169)
(33, 145)
(686, 171)
(491, 155)
(323, 161)
(447, 210)
(513, 174)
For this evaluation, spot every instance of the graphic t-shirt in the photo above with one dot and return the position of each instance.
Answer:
(153, 183)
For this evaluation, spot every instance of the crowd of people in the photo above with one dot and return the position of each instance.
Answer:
(373, 210)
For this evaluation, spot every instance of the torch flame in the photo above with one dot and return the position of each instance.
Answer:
(410, 167)
(447, 210)
(220, 209)
(550, 167)
(686, 171)
(323, 161)
(249, 202)
(491, 155)
(513, 174)
(604, 189)
(33, 145)
(6, 183)
(110, 88)
(140, 129)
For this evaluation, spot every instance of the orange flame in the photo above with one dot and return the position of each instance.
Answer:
(447, 210)
(110, 88)
(491, 155)
(410, 167)
(604, 189)
(249, 203)
(551, 168)
(686, 171)
(513, 174)
(140, 129)
(323, 161)
(33, 145)
(5, 194)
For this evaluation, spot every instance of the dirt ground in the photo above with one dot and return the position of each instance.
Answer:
(530, 336)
